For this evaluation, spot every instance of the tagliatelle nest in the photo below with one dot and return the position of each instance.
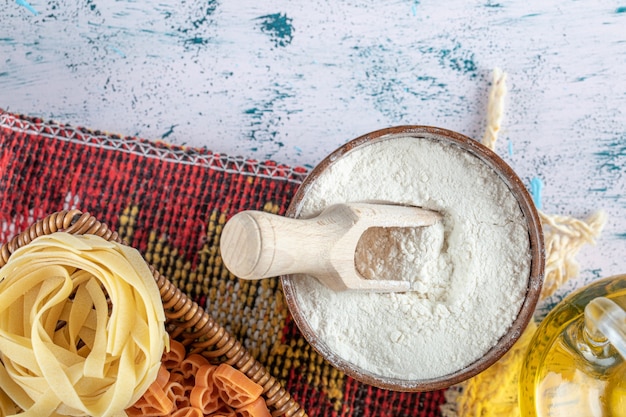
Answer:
(81, 327)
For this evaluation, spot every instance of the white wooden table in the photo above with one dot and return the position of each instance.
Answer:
(292, 81)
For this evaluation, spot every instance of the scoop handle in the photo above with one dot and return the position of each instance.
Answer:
(256, 245)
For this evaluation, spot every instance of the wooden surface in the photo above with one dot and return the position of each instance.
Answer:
(292, 81)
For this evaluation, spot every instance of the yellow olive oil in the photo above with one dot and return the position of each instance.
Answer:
(565, 372)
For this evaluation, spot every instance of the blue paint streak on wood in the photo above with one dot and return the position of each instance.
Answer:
(598, 190)
(91, 5)
(169, 132)
(613, 157)
(266, 117)
(197, 19)
(278, 27)
(621, 9)
(414, 7)
(27, 6)
(196, 40)
(455, 58)
(387, 79)
(536, 187)
(118, 51)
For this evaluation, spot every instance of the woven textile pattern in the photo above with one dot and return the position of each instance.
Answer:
(171, 204)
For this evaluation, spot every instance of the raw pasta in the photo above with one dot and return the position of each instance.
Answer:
(195, 387)
(81, 327)
(236, 389)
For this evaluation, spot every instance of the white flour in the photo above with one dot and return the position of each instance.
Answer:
(409, 254)
(470, 270)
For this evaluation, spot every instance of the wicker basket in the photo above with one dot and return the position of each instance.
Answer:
(186, 321)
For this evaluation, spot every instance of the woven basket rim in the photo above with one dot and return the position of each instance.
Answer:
(186, 320)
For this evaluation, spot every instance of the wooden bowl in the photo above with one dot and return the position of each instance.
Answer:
(533, 289)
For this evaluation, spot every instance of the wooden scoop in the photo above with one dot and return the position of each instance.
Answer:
(258, 245)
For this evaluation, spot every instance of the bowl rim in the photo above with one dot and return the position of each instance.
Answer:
(533, 288)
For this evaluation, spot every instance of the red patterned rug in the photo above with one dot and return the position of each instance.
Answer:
(171, 203)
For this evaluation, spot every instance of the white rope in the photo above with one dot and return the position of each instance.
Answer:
(495, 108)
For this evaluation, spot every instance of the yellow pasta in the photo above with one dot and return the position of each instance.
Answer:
(81, 328)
